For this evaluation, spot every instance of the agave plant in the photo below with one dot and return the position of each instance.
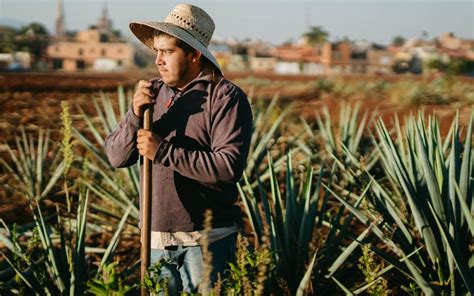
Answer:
(117, 187)
(345, 141)
(60, 266)
(271, 136)
(34, 168)
(266, 130)
(294, 215)
(427, 219)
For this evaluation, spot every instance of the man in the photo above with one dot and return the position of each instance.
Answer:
(198, 144)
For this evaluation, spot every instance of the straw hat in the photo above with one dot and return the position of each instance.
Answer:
(186, 22)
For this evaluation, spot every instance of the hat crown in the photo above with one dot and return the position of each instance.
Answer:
(194, 20)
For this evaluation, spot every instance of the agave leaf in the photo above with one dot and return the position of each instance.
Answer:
(290, 205)
(101, 117)
(455, 210)
(255, 207)
(54, 179)
(343, 288)
(278, 166)
(80, 265)
(121, 99)
(431, 179)
(392, 209)
(251, 210)
(309, 214)
(275, 239)
(48, 249)
(454, 126)
(307, 128)
(110, 181)
(101, 192)
(17, 271)
(465, 209)
(466, 167)
(90, 147)
(325, 197)
(110, 117)
(348, 251)
(92, 128)
(259, 149)
(115, 239)
(461, 264)
(9, 168)
(306, 278)
(353, 209)
(277, 203)
(39, 161)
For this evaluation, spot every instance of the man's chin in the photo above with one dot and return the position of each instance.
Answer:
(168, 82)
(165, 78)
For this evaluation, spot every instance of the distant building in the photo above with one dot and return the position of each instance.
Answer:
(371, 58)
(16, 61)
(380, 61)
(328, 58)
(237, 63)
(98, 48)
(456, 48)
(427, 56)
(336, 57)
(88, 51)
(262, 64)
(298, 59)
(448, 41)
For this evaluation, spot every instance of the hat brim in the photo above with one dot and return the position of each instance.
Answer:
(144, 32)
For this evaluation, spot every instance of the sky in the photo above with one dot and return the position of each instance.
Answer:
(274, 21)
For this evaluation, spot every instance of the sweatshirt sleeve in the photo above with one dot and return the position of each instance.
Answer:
(231, 124)
(120, 145)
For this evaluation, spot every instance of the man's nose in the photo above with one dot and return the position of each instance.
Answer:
(159, 59)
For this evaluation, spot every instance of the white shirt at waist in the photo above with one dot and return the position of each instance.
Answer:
(160, 240)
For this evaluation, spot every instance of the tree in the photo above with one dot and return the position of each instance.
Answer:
(316, 35)
(6, 39)
(398, 40)
(33, 38)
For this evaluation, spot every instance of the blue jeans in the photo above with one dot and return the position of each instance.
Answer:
(184, 269)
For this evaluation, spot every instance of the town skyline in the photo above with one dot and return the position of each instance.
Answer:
(354, 19)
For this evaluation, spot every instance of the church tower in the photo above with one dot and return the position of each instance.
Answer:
(104, 24)
(60, 30)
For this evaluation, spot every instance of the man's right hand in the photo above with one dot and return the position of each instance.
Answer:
(142, 96)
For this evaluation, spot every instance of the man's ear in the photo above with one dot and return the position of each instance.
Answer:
(196, 55)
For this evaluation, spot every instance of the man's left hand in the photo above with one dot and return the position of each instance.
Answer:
(147, 143)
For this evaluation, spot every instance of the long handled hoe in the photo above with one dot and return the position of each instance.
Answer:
(146, 208)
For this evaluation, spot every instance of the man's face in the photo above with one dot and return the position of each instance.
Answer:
(172, 62)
